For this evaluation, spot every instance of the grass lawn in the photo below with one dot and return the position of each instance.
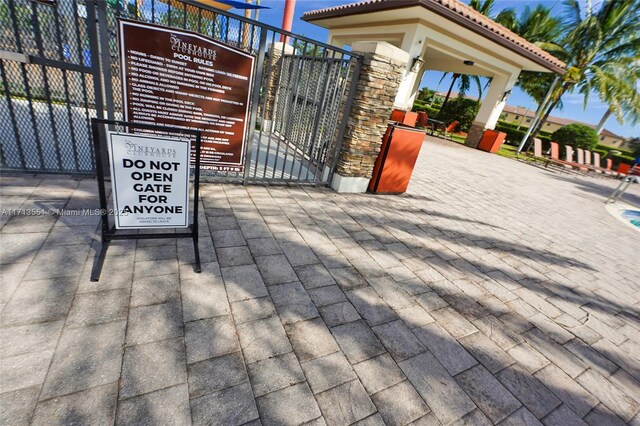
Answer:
(507, 151)
(458, 138)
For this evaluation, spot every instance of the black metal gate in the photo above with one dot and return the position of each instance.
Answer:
(48, 75)
(59, 65)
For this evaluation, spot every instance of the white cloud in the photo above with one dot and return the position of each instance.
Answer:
(578, 99)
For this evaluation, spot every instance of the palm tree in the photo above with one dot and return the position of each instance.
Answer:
(602, 52)
(539, 27)
(464, 84)
(483, 6)
(620, 93)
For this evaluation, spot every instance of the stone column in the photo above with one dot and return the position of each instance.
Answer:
(380, 77)
(491, 107)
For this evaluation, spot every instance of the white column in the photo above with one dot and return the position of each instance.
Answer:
(493, 102)
(491, 107)
(414, 44)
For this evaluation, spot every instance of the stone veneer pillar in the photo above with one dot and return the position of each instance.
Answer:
(474, 135)
(382, 71)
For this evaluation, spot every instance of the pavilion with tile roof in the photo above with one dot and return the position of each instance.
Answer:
(440, 35)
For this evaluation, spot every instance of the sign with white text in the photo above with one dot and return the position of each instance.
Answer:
(183, 79)
(150, 181)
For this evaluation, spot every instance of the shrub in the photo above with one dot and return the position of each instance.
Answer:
(461, 109)
(577, 135)
(620, 158)
(546, 142)
(623, 152)
(513, 125)
(419, 106)
(513, 136)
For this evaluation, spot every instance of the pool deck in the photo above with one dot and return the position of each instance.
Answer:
(492, 292)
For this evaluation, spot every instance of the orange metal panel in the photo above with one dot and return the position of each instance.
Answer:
(398, 155)
(397, 115)
(410, 118)
(423, 118)
(491, 140)
(623, 168)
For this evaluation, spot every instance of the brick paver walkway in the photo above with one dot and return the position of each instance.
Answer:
(493, 292)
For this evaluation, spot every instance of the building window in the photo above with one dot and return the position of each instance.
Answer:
(548, 124)
(601, 138)
(517, 117)
(528, 120)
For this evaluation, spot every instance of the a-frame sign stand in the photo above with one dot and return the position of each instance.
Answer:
(109, 233)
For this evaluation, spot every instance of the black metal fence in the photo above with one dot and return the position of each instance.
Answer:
(47, 74)
(54, 84)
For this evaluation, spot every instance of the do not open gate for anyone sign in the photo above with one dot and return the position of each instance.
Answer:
(150, 177)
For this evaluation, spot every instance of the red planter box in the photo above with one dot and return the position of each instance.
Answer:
(491, 140)
(394, 165)
(407, 118)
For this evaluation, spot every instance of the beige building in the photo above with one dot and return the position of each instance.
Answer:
(524, 117)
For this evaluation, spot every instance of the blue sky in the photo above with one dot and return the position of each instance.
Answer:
(573, 103)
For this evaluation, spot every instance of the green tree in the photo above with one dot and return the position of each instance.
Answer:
(577, 135)
(461, 109)
(464, 84)
(425, 94)
(304, 48)
(600, 47)
(483, 6)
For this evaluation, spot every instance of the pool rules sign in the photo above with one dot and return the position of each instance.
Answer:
(150, 181)
(179, 78)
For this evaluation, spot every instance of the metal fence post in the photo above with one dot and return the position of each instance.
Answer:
(255, 100)
(92, 29)
(105, 56)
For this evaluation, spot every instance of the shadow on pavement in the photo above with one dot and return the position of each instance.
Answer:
(297, 269)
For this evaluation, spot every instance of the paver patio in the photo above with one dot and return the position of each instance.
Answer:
(492, 292)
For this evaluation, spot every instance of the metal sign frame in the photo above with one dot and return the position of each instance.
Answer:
(109, 233)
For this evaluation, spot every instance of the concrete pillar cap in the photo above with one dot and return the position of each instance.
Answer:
(288, 49)
(381, 48)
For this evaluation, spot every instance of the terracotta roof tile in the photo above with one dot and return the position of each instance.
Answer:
(456, 6)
